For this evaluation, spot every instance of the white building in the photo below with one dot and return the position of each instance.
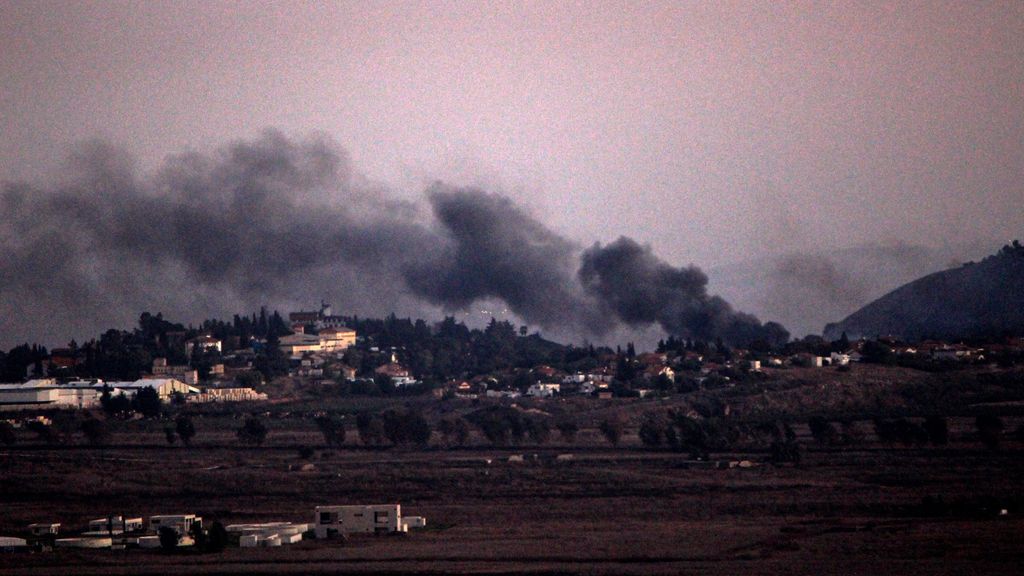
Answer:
(375, 518)
(113, 525)
(181, 522)
(542, 390)
(839, 359)
(80, 394)
(337, 339)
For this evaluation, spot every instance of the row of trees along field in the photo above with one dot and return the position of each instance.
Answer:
(505, 426)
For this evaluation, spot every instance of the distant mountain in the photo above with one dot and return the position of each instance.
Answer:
(974, 300)
(805, 290)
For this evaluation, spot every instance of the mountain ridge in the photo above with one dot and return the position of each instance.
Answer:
(975, 300)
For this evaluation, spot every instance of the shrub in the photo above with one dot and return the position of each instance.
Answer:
(185, 429)
(147, 402)
(823, 431)
(42, 431)
(95, 432)
(169, 537)
(216, 538)
(333, 430)
(568, 430)
(990, 430)
(7, 436)
(652, 431)
(252, 431)
(611, 429)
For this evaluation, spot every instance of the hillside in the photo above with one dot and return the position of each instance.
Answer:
(975, 300)
(804, 291)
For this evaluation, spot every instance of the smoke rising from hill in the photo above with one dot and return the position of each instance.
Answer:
(284, 222)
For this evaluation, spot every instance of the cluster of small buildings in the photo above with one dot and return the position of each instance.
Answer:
(119, 532)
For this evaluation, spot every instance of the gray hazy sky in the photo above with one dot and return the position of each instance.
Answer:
(716, 131)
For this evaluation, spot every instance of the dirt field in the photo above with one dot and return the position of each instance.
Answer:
(843, 511)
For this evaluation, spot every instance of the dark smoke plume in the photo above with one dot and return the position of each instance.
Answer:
(639, 288)
(492, 249)
(283, 222)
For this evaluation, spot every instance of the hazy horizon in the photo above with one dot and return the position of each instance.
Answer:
(716, 134)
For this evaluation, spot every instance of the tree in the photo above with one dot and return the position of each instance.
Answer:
(7, 437)
(851, 433)
(371, 429)
(185, 429)
(652, 431)
(116, 406)
(332, 429)
(783, 450)
(406, 427)
(937, 429)
(611, 428)
(568, 430)
(169, 538)
(96, 432)
(253, 431)
(199, 539)
(823, 431)
(147, 402)
(990, 430)
(461, 432)
(217, 538)
(539, 430)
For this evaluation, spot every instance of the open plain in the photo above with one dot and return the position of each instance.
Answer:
(864, 510)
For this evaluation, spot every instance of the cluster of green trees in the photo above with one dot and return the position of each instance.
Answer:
(15, 362)
(679, 432)
(450, 349)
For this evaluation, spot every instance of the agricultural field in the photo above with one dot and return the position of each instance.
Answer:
(580, 506)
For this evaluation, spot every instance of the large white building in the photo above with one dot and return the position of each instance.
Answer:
(374, 518)
(48, 393)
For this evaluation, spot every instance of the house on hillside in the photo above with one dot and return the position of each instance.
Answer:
(398, 374)
(202, 344)
(653, 372)
(543, 390)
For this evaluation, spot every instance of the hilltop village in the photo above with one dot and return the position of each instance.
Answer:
(264, 358)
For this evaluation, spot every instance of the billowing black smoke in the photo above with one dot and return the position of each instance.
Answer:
(492, 249)
(629, 281)
(286, 222)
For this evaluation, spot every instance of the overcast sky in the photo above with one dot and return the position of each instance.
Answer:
(717, 132)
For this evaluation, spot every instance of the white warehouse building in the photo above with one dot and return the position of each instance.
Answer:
(48, 393)
(373, 518)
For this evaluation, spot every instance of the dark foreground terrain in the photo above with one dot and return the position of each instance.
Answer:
(842, 511)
